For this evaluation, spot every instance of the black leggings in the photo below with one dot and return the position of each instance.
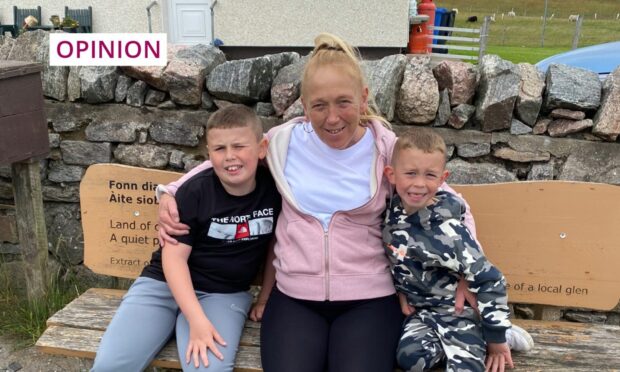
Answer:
(337, 336)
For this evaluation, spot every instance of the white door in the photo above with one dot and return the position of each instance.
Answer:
(190, 21)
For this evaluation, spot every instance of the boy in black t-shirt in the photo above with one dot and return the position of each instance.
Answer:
(199, 286)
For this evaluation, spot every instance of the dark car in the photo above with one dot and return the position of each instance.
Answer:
(601, 58)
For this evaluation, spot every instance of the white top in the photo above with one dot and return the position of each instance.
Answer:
(326, 180)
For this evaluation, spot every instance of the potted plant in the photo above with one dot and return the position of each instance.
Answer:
(55, 19)
(69, 24)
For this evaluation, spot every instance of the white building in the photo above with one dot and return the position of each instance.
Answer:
(246, 26)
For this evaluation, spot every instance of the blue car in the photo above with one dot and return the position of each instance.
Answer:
(601, 58)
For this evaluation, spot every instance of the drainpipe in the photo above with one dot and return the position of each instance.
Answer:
(148, 13)
(212, 22)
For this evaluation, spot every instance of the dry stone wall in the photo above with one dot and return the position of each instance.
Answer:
(502, 123)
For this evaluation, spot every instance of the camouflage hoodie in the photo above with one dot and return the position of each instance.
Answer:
(429, 251)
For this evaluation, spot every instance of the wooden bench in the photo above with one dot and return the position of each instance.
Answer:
(556, 242)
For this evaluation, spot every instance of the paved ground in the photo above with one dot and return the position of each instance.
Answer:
(30, 360)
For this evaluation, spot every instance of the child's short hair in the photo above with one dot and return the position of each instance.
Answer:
(236, 116)
(421, 138)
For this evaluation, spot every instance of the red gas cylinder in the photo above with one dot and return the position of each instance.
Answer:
(427, 7)
(418, 39)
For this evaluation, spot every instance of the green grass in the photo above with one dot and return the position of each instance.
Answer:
(25, 320)
(519, 39)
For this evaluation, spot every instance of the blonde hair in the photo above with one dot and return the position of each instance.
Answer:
(420, 138)
(236, 116)
(330, 50)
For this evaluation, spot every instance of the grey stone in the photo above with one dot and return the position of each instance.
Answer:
(564, 127)
(5, 48)
(443, 111)
(54, 139)
(497, 93)
(8, 227)
(207, 101)
(286, 85)
(153, 75)
(61, 172)
(543, 171)
(111, 132)
(530, 95)
(585, 317)
(176, 133)
(176, 159)
(418, 98)
(295, 110)
(191, 162)
(472, 150)
(9, 248)
(122, 85)
(521, 156)
(143, 137)
(524, 311)
(460, 115)
(64, 125)
(458, 137)
(459, 78)
(85, 153)
(607, 118)
(145, 156)
(154, 97)
(462, 172)
(264, 109)
(242, 81)
(561, 113)
(281, 60)
(384, 78)
(220, 103)
(572, 88)
(167, 105)
(450, 151)
(69, 193)
(74, 87)
(30, 47)
(98, 83)
(517, 127)
(541, 126)
(592, 162)
(6, 190)
(135, 93)
(55, 81)
(64, 232)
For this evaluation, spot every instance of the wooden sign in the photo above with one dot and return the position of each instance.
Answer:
(119, 217)
(557, 242)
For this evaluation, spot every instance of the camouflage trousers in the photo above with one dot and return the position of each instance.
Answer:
(430, 337)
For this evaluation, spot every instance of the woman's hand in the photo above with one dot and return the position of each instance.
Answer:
(463, 294)
(498, 355)
(203, 337)
(256, 313)
(404, 305)
(169, 224)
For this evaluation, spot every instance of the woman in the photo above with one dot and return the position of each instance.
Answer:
(333, 306)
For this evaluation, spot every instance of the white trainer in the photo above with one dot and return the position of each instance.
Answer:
(518, 339)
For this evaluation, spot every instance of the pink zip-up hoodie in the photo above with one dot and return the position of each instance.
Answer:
(345, 263)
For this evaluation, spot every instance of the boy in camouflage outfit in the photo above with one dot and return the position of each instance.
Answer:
(430, 250)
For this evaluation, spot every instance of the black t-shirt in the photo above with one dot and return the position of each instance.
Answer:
(228, 234)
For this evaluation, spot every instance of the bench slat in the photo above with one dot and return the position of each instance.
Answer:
(83, 343)
(570, 346)
(94, 309)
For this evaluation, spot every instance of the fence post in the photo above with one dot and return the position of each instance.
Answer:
(484, 33)
(577, 32)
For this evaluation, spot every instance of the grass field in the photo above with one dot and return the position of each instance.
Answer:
(519, 38)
